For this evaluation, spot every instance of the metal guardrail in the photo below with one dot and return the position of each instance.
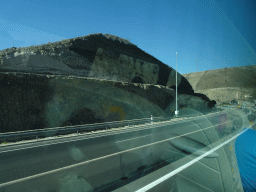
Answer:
(50, 132)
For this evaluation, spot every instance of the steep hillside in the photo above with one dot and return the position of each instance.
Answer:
(37, 101)
(225, 84)
(90, 79)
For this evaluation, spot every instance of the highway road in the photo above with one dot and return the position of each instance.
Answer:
(94, 159)
(23, 160)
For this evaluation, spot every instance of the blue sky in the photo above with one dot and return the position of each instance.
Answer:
(207, 34)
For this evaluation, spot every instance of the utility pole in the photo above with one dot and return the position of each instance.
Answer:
(176, 112)
(196, 66)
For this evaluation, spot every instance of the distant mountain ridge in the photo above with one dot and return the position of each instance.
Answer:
(225, 84)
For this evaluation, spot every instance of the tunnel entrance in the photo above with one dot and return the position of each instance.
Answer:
(137, 79)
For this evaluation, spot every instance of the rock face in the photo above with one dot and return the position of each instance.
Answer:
(30, 101)
(224, 85)
(100, 56)
(37, 101)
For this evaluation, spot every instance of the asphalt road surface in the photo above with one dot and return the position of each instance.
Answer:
(27, 159)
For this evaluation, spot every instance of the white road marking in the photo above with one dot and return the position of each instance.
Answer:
(133, 138)
(167, 176)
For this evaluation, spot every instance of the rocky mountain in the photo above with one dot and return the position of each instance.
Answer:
(91, 79)
(100, 56)
(224, 85)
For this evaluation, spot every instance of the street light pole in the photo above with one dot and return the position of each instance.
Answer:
(176, 112)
